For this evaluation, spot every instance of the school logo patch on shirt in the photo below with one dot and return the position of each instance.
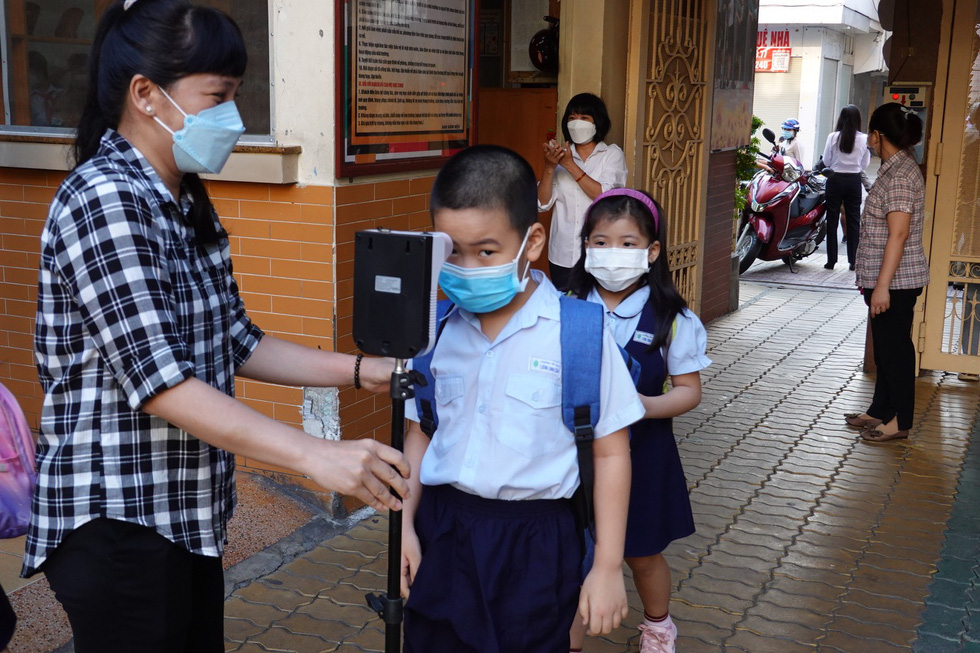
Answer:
(643, 337)
(542, 365)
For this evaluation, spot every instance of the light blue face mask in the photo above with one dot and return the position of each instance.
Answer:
(483, 290)
(207, 139)
(789, 134)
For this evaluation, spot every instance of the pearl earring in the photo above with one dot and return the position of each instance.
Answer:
(149, 109)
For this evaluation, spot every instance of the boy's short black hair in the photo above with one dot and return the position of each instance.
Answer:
(488, 177)
(587, 104)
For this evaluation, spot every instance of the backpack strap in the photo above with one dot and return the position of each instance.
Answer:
(425, 393)
(632, 365)
(581, 366)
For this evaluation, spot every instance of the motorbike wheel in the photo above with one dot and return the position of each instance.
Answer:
(747, 248)
(787, 259)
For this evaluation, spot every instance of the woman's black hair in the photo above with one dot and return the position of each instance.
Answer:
(587, 104)
(848, 124)
(164, 40)
(902, 128)
(663, 293)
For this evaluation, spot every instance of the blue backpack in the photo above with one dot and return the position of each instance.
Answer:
(581, 363)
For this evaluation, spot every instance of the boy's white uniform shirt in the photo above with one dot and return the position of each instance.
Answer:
(501, 434)
(686, 352)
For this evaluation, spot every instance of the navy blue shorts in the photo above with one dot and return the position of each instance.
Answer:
(496, 576)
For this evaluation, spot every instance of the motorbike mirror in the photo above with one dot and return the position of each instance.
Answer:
(769, 135)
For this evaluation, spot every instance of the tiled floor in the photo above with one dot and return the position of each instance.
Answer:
(808, 539)
(11, 554)
(265, 516)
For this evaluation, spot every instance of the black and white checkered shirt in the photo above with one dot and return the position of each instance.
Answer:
(128, 306)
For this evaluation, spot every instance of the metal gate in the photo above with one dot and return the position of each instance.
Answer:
(668, 86)
(949, 336)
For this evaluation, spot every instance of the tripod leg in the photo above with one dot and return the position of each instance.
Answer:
(390, 607)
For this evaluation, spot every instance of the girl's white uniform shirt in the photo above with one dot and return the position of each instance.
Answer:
(852, 162)
(606, 165)
(686, 352)
(501, 434)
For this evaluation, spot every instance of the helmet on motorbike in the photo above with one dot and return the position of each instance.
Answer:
(791, 123)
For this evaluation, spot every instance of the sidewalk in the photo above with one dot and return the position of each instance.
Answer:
(807, 538)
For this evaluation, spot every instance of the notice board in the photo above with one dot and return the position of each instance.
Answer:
(404, 83)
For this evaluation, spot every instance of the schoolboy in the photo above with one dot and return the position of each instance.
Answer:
(491, 555)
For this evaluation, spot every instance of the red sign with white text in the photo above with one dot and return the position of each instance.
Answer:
(772, 51)
(772, 60)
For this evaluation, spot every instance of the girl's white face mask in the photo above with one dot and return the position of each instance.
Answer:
(617, 268)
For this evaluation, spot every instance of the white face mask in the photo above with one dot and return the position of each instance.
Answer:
(616, 268)
(581, 131)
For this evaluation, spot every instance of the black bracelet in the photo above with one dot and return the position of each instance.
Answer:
(357, 371)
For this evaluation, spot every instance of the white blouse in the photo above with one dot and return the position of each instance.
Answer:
(854, 161)
(688, 345)
(607, 165)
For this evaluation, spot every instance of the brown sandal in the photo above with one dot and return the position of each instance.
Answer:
(855, 420)
(877, 435)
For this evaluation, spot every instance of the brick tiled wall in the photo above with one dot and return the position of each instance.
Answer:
(282, 250)
(24, 199)
(292, 249)
(717, 279)
(401, 205)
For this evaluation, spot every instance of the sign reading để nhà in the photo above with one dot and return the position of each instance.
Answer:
(772, 51)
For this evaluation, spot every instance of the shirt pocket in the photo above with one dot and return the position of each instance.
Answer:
(449, 388)
(532, 412)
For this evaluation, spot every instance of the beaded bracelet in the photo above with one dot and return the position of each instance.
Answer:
(357, 371)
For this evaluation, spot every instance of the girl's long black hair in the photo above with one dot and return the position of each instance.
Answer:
(663, 293)
(848, 124)
(165, 40)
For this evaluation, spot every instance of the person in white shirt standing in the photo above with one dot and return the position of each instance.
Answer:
(575, 173)
(847, 154)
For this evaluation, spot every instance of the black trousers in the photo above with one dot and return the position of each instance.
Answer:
(894, 356)
(843, 188)
(126, 588)
(8, 620)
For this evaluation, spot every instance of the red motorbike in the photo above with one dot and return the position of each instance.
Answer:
(784, 215)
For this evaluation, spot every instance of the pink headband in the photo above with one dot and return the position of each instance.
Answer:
(635, 194)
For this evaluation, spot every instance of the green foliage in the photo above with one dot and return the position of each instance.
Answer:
(745, 166)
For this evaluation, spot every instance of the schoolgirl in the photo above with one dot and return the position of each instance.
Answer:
(624, 268)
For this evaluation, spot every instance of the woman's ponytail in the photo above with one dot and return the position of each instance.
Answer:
(93, 122)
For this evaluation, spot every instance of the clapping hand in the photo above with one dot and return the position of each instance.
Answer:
(553, 154)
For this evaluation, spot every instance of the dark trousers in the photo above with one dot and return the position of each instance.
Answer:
(843, 188)
(8, 620)
(559, 275)
(126, 588)
(894, 356)
(495, 577)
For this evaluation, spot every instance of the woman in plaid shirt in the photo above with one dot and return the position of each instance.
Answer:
(140, 333)
(892, 270)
